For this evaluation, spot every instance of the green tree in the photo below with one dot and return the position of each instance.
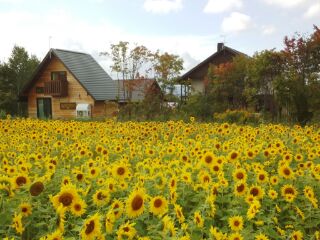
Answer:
(167, 68)
(13, 76)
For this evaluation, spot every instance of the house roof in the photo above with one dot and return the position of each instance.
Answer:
(85, 69)
(211, 58)
(138, 87)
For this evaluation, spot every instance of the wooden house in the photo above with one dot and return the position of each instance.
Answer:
(196, 76)
(68, 84)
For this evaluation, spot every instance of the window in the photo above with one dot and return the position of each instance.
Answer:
(60, 76)
(40, 90)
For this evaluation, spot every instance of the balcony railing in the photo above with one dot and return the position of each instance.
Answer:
(56, 88)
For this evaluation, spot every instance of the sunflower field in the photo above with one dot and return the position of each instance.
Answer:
(152, 180)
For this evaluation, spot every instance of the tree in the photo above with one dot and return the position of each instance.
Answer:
(128, 63)
(167, 68)
(13, 76)
(300, 73)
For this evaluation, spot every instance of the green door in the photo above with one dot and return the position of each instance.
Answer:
(44, 110)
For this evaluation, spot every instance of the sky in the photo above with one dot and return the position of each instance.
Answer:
(188, 28)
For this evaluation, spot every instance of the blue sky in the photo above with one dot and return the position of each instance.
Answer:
(189, 28)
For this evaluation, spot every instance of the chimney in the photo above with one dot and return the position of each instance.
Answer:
(220, 47)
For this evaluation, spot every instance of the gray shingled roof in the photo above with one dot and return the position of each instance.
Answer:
(89, 73)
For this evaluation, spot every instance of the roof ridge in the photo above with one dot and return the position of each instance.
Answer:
(64, 50)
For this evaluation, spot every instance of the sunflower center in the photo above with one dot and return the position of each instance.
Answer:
(77, 207)
(236, 223)
(137, 203)
(208, 159)
(198, 219)
(157, 203)
(24, 209)
(66, 199)
(286, 171)
(21, 180)
(89, 227)
(240, 175)
(240, 188)
(234, 155)
(36, 188)
(100, 196)
(216, 168)
(206, 179)
(289, 191)
(126, 229)
(79, 176)
(254, 191)
(261, 177)
(120, 171)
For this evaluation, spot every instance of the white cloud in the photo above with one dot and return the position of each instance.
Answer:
(268, 30)
(32, 31)
(162, 6)
(286, 3)
(236, 22)
(219, 6)
(313, 11)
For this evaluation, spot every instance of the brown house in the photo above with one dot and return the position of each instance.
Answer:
(136, 90)
(195, 77)
(68, 84)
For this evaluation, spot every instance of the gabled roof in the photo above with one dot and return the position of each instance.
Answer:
(85, 69)
(223, 50)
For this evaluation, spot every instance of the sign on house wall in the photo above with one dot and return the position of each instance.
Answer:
(68, 106)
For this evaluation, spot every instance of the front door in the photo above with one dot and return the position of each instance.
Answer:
(44, 110)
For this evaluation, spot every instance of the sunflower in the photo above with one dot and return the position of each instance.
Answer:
(208, 159)
(261, 236)
(240, 188)
(198, 220)
(110, 219)
(127, 231)
(20, 180)
(233, 156)
(274, 180)
(25, 209)
(272, 194)
(56, 235)
(66, 196)
(117, 207)
(120, 171)
(236, 223)
(235, 236)
(78, 208)
(262, 176)
(173, 183)
(297, 235)
(135, 203)
(91, 227)
(239, 174)
(285, 171)
(158, 205)
(179, 213)
(17, 223)
(256, 191)
(289, 192)
(101, 197)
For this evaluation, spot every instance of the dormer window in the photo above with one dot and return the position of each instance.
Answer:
(59, 76)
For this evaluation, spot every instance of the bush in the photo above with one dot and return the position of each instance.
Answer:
(238, 116)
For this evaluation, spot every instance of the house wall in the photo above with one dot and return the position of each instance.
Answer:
(198, 75)
(76, 94)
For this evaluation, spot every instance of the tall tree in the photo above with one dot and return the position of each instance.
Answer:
(167, 68)
(300, 70)
(14, 75)
(129, 63)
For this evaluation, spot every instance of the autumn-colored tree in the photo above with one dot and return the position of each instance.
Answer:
(300, 74)
(228, 84)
